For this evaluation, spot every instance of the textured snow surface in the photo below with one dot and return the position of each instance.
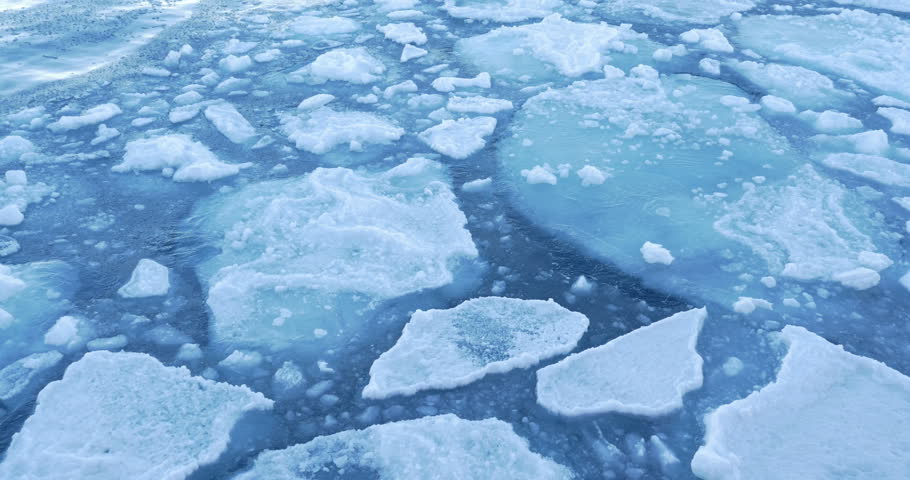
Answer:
(85, 425)
(441, 447)
(829, 414)
(176, 155)
(645, 372)
(327, 246)
(449, 348)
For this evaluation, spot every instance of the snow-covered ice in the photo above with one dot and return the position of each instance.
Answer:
(645, 372)
(176, 155)
(85, 424)
(353, 65)
(459, 138)
(322, 130)
(442, 349)
(829, 413)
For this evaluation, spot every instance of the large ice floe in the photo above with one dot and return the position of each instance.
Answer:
(829, 414)
(645, 372)
(441, 447)
(442, 349)
(320, 251)
(86, 425)
(681, 158)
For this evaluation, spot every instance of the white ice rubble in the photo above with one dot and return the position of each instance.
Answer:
(176, 155)
(829, 414)
(441, 349)
(85, 425)
(459, 138)
(352, 65)
(645, 372)
(321, 130)
(442, 447)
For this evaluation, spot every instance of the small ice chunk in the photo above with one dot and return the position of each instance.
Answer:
(449, 84)
(352, 65)
(900, 119)
(234, 64)
(316, 101)
(732, 366)
(873, 167)
(149, 279)
(236, 47)
(104, 134)
(477, 104)
(656, 253)
(831, 121)
(193, 161)
(443, 349)
(13, 147)
(92, 116)
(777, 104)
(442, 447)
(459, 138)
(747, 305)
(403, 33)
(230, 122)
(582, 286)
(410, 52)
(645, 372)
(323, 26)
(322, 130)
(117, 342)
(65, 333)
(479, 185)
(797, 423)
(591, 175)
(707, 38)
(407, 86)
(861, 278)
(11, 215)
(539, 175)
(709, 65)
(86, 423)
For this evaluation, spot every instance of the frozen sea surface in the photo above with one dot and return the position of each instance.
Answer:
(362, 239)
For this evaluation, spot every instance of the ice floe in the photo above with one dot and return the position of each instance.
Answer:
(443, 447)
(830, 413)
(176, 155)
(442, 349)
(645, 372)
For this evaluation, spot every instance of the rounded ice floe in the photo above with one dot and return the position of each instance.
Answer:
(85, 425)
(190, 161)
(32, 297)
(444, 349)
(459, 138)
(868, 48)
(504, 11)
(443, 447)
(645, 372)
(688, 157)
(321, 130)
(352, 65)
(555, 43)
(319, 251)
(656, 253)
(149, 279)
(702, 12)
(708, 39)
(829, 414)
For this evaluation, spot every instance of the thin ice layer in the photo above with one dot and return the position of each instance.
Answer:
(319, 251)
(85, 425)
(645, 372)
(450, 348)
(443, 447)
(32, 297)
(829, 414)
(868, 48)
